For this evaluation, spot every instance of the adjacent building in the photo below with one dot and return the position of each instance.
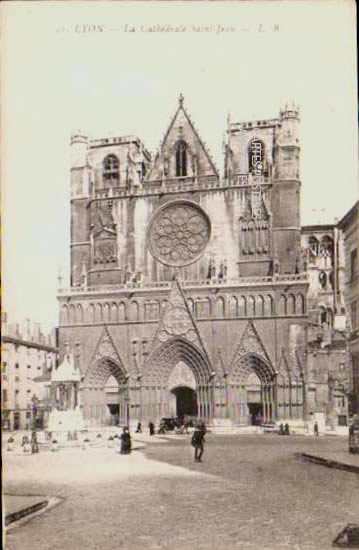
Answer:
(350, 228)
(328, 360)
(28, 357)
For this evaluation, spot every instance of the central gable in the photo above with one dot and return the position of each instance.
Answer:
(182, 152)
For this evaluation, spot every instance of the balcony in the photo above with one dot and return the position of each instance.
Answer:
(245, 180)
(276, 280)
(181, 185)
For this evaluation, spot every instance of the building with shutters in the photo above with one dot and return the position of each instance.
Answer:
(27, 359)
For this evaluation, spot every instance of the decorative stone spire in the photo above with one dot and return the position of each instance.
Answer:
(60, 279)
(181, 100)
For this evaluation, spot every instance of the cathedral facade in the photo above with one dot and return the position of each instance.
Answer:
(188, 294)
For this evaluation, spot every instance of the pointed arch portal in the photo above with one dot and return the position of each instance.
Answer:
(178, 382)
(106, 393)
(252, 390)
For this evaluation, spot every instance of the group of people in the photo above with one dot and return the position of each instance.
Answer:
(29, 446)
(197, 439)
(126, 444)
(151, 428)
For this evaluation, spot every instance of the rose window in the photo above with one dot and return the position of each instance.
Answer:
(179, 233)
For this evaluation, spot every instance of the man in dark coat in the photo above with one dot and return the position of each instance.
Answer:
(198, 441)
(34, 443)
(125, 441)
(151, 427)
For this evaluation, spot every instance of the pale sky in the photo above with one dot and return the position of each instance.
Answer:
(56, 80)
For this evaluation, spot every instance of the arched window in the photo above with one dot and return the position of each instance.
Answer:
(113, 315)
(233, 306)
(327, 249)
(106, 313)
(300, 304)
(327, 245)
(251, 310)
(110, 170)
(72, 314)
(291, 305)
(220, 307)
(313, 246)
(91, 313)
(98, 313)
(257, 165)
(260, 306)
(282, 309)
(268, 305)
(203, 308)
(134, 311)
(122, 312)
(79, 314)
(242, 306)
(181, 159)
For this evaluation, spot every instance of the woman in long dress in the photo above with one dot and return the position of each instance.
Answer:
(125, 441)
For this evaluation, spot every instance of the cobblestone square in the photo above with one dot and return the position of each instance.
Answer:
(249, 492)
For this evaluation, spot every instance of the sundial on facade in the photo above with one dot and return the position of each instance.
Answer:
(178, 233)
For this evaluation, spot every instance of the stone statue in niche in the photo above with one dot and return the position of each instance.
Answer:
(194, 165)
(103, 219)
(166, 165)
(222, 273)
(323, 279)
(331, 279)
(213, 269)
(104, 234)
(133, 171)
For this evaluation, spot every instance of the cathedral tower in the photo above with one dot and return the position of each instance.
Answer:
(286, 192)
(80, 189)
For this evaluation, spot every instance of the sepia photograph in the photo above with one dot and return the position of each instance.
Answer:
(180, 275)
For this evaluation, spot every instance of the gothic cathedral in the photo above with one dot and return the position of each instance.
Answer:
(188, 296)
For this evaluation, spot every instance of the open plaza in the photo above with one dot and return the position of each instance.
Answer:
(251, 491)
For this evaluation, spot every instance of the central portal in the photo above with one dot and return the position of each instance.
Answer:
(182, 391)
(186, 401)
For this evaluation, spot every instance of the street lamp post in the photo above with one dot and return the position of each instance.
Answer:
(127, 399)
(34, 411)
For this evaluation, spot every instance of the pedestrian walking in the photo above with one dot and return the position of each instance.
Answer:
(125, 441)
(25, 444)
(197, 441)
(34, 443)
(151, 427)
(286, 429)
(281, 429)
(139, 428)
(316, 429)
